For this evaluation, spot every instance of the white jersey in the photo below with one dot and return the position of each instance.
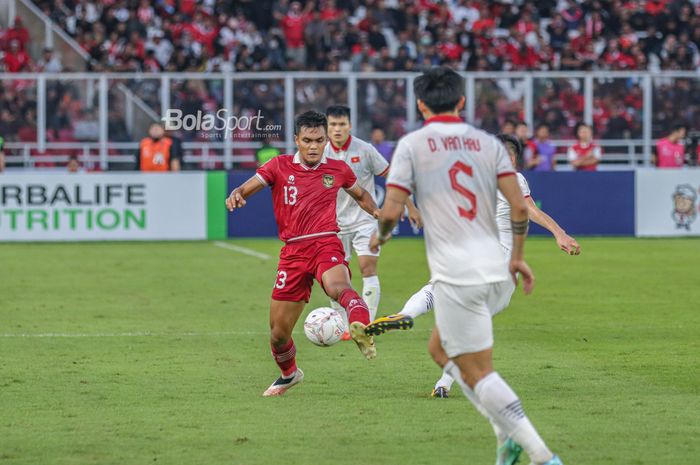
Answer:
(453, 167)
(505, 231)
(366, 163)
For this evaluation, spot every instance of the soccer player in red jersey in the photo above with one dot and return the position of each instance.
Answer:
(304, 191)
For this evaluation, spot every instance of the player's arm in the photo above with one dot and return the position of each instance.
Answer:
(592, 158)
(380, 164)
(587, 161)
(533, 160)
(238, 196)
(509, 187)
(363, 199)
(565, 242)
(391, 212)
(414, 215)
(573, 158)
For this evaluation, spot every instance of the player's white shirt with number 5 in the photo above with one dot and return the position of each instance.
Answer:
(452, 167)
(366, 163)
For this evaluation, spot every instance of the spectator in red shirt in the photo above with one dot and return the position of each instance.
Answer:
(584, 155)
(485, 21)
(19, 33)
(655, 7)
(16, 59)
(293, 25)
(329, 12)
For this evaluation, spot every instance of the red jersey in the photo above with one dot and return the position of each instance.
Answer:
(293, 27)
(579, 150)
(304, 198)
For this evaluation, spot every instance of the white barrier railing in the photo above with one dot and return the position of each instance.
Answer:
(625, 154)
(376, 99)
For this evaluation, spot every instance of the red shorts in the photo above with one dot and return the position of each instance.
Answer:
(301, 262)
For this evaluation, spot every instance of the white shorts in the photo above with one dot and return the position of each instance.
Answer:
(358, 241)
(463, 314)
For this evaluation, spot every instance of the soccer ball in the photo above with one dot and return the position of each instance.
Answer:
(324, 326)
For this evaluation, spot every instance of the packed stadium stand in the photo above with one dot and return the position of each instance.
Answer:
(265, 35)
(373, 36)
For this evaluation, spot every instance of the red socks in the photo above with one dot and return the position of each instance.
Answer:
(285, 357)
(354, 305)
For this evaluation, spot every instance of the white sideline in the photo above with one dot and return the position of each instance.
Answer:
(243, 250)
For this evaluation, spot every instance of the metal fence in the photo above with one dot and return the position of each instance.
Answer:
(46, 118)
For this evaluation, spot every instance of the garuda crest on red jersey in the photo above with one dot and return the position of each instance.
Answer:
(328, 181)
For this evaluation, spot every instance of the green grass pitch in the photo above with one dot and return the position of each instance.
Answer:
(136, 353)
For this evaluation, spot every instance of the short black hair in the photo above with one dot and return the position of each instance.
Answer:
(513, 142)
(521, 123)
(440, 89)
(338, 111)
(542, 125)
(580, 125)
(509, 121)
(678, 125)
(310, 119)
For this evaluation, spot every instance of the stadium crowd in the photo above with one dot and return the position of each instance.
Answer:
(366, 35)
(378, 35)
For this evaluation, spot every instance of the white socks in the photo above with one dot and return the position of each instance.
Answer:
(420, 303)
(371, 292)
(452, 371)
(506, 411)
(445, 380)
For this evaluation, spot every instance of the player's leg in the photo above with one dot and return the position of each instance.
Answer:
(371, 290)
(418, 304)
(291, 291)
(455, 321)
(444, 384)
(336, 284)
(346, 239)
(437, 352)
(463, 318)
(283, 317)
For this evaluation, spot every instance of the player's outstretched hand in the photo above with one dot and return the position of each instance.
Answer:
(519, 267)
(374, 242)
(235, 200)
(568, 244)
(415, 217)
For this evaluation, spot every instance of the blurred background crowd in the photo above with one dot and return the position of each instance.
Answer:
(368, 36)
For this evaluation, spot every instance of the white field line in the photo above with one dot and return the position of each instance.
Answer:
(243, 250)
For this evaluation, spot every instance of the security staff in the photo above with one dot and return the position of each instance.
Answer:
(157, 151)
